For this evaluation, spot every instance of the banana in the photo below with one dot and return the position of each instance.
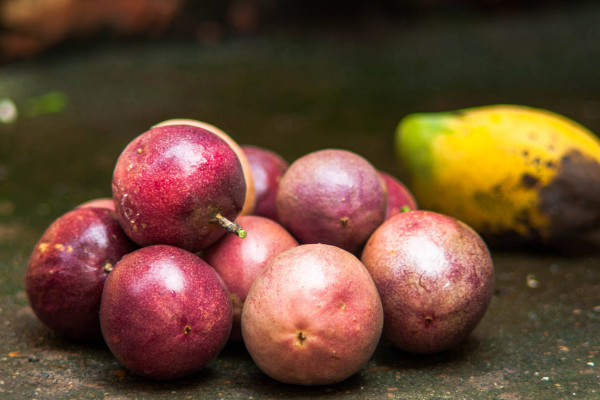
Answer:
(513, 173)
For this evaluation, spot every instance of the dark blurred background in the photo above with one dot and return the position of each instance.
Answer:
(32, 27)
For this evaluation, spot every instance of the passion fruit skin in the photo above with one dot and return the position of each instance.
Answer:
(333, 197)
(435, 277)
(313, 316)
(101, 202)
(250, 199)
(170, 182)
(165, 313)
(399, 196)
(267, 169)
(239, 261)
(68, 267)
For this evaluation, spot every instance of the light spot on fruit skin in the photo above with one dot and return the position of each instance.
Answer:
(334, 355)
(42, 247)
(139, 151)
(342, 306)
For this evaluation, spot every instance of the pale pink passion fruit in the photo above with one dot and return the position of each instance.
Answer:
(435, 277)
(239, 261)
(313, 316)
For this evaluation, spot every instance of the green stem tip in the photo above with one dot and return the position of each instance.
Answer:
(230, 226)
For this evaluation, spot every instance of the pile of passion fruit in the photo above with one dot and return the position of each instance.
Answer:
(308, 263)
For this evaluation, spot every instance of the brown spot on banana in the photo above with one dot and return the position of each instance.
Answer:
(529, 181)
(571, 199)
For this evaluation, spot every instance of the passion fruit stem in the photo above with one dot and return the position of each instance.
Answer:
(108, 267)
(230, 226)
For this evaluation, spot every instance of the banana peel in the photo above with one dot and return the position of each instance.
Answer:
(515, 174)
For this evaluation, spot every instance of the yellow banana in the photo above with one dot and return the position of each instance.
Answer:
(510, 172)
